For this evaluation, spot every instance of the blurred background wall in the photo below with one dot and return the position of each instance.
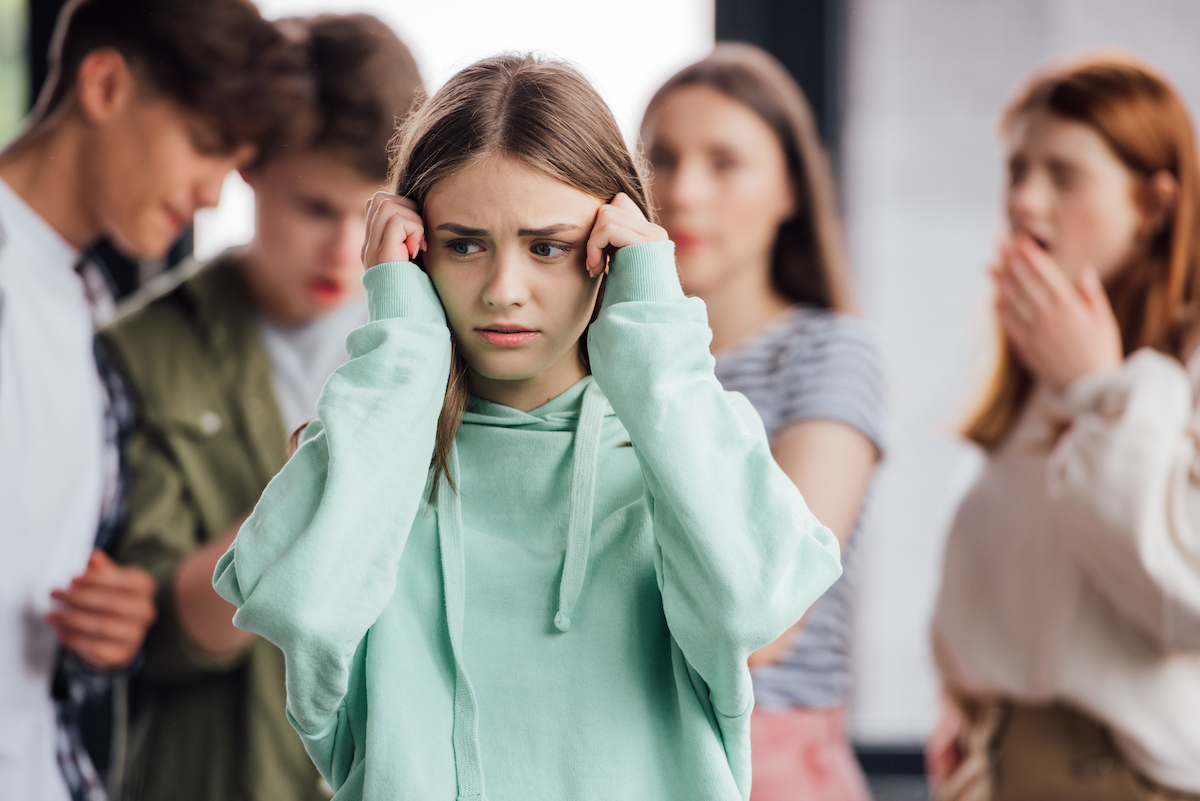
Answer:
(907, 93)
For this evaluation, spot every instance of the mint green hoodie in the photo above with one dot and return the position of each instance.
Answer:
(574, 621)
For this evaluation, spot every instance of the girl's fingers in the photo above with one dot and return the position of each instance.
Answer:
(625, 203)
(393, 240)
(1011, 292)
(597, 242)
(396, 236)
(1048, 279)
(1013, 323)
(383, 241)
(413, 243)
(1024, 284)
(618, 224)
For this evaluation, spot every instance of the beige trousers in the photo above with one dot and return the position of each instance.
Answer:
(1014, 752)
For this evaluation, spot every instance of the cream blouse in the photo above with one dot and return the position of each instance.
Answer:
(1072, 571)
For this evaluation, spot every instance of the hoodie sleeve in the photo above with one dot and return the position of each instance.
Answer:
(315, 564)
(739, 556)
(1125, 480)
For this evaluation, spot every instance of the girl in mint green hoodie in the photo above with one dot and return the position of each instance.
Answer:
(529, 542)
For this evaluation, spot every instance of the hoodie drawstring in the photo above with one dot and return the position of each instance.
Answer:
(467, 763)
(583, 496)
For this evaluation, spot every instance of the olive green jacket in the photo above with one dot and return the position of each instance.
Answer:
(207, 439)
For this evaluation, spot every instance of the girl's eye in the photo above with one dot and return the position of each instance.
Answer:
(1064, 177)
(725, 165)
(549, 251)
(464, 248)
(660, 160)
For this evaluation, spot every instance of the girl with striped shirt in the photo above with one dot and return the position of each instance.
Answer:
(745, 193)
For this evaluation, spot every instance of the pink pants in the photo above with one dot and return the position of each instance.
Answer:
(803, 755)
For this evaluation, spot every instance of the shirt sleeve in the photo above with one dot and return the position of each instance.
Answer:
(739, 556)
(1124, 479)
(831, 370)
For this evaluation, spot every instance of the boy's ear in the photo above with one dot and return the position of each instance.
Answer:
(104, 84)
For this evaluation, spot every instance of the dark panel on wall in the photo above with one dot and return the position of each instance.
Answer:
(42, 16)
(808, 36)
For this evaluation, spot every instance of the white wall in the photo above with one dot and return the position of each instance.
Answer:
(922, 182)
(626, 47)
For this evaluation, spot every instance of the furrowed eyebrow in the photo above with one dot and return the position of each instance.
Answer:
(462, 230)
(549, 230)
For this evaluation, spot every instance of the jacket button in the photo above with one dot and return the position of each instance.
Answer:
(210, 422)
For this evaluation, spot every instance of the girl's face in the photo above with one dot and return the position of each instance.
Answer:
(721, 182)
(506, 251)
(1069, 192)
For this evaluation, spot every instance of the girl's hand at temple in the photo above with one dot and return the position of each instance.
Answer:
(619, 224)
(395, 231)
(1060, 329)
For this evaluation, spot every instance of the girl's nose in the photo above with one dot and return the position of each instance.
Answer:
(688, 184)
(1028, 197)
(506, 286)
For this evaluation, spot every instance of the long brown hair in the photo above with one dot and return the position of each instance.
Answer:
(540, 112)
(808, 262)
(1156, 294)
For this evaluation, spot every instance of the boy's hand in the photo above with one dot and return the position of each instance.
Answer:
(395, 231)
(105, 612)
(618, 224)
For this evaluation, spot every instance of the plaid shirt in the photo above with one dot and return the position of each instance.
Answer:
(74, 682)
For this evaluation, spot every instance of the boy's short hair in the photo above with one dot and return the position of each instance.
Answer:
(365, 80)
(216, 58)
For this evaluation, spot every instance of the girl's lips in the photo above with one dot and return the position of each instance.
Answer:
(507, 339)
(324, 290)
(686, 242)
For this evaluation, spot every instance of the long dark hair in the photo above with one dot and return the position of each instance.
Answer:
(540, 112)
(808, 262)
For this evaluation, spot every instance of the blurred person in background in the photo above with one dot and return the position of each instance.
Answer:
(221, 368)
(1067, 629)
(147, 108)
(745, 191)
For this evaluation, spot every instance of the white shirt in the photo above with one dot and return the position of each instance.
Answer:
(52, 451)
(1072, 571)
(303, 357)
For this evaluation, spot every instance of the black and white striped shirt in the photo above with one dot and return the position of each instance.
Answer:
(812, 364)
